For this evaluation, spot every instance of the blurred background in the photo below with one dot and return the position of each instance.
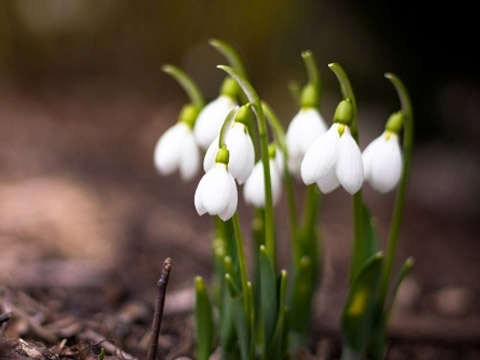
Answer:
(83, 101)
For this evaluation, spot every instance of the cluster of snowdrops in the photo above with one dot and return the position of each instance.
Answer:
(239, 140)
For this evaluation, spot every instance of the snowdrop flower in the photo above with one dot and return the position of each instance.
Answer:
(382, 158)
(216, 192)
(335, 158)
(240, 145)
(212, 116)
(306, 126)
(176, 149)
(254, 189)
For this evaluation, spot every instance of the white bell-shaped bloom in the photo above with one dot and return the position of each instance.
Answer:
(216, 193)
(242, 152)
(334, 159)
(211, 118)
(382, 161)
(175, 150)
(254, 188)
(306, 126)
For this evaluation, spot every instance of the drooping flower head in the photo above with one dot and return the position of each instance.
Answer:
(254, 189)
(306, 126)
(176, 149)
(382, 158)
(216, 192)
(240, 145)
(212, 116)
(334, 158)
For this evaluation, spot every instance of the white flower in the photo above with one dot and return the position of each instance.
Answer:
(242, 153)
(306, 126)
(332, 160)
(175, 150)
(254, 189)
(382, 161)
(211, 118)
(216, 193)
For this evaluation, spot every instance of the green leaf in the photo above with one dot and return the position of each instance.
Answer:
(268, 296)
(301, 301)
(404, 271)
(227, 328)
(241, 327)
(358, 314)
(371, 235)
(203, 320)
(278, 346)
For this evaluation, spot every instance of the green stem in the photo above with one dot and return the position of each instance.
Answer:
(402, 187)
(359, 244)
(242, 263)
(312, 71)
(263, 137)
(311, 211)
(225, 127)
(186, 83)
(280, 137)
(230, 54)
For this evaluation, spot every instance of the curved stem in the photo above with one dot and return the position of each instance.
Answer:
(187, 83)
(230, 54)
(402, 187)
(312, 71)
(262, 132)
(280, 137)
(241, 261)
(359, 246)
(347, 93)
(225, 127)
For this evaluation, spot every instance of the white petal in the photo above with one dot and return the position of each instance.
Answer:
(242, 153)
(210, 155)
(189, 158)
(349, 166)
(329, 182)
(166, 155)
(232, 204)
(306, 126)
(198, 202)
(387, 165)
(276, 179)
(216, 192)
(321, 156)
(254, 189)
(279, 161)
(210, 120)
(368, 154)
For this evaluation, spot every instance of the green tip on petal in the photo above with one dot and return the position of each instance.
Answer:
(188, 115)
(223, 156)
(244, 115)
(230, 88)
(309, 96)
(395, 122)
(344, 113)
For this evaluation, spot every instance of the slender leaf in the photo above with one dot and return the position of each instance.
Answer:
(268, 295)
(358, 314)
(203, 320)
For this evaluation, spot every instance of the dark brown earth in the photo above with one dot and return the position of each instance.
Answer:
(86, 223)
